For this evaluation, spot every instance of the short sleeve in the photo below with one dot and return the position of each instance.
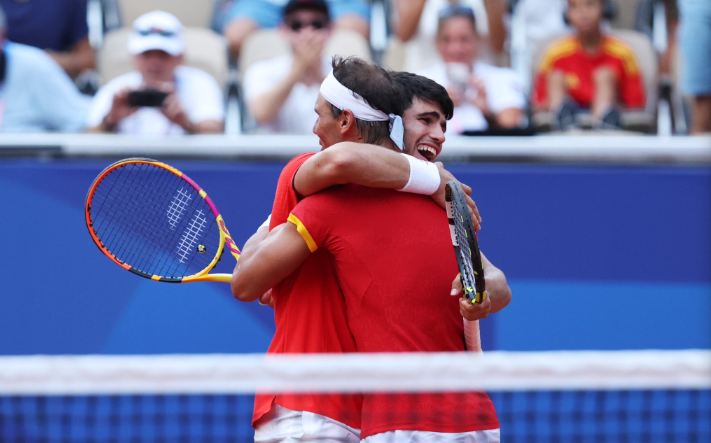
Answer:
(286, 197)
(312, 217)
(203, 97)
(78, 29)
(100, 106)
(64, 107)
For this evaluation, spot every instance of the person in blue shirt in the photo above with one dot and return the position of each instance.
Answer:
(57, 26)
(36, 95)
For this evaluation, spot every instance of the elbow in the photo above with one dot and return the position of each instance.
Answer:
(338, 161)
(241, 289)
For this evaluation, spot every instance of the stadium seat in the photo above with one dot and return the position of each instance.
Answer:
(205, 50)
(267, 43)
(643, 120)
(192, 13)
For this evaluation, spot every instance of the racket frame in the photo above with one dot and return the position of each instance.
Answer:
(225, 237)
(454, 196)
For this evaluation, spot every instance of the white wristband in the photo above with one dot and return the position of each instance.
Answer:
(424, 177)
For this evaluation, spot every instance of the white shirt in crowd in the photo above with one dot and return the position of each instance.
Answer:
(37, 95)
(297, 115)
(198, 93)
(503, 91)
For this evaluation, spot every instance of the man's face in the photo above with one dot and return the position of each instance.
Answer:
(425, 125)
(457, 42)
(326, 127)
(305, 21)
(157, 66)
(585, 15)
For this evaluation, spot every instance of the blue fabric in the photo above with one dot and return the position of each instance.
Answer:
(268, 13)
(46, 24)
(695, 44)
(38, 95)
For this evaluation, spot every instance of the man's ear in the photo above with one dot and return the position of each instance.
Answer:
(346, 122)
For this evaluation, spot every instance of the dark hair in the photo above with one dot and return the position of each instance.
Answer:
(378, 89)
(456, 10)
(416, 86)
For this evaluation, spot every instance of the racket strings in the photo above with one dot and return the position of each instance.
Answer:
(132, 211)
(135, 223)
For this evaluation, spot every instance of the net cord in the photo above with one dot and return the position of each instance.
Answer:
(416, 372)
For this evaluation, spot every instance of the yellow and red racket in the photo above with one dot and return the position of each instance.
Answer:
(153, 220)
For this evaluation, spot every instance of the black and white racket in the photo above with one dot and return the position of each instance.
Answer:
(466, 246)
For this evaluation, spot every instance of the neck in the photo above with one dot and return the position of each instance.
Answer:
(590, 41)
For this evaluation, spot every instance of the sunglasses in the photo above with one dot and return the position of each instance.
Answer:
(296, 25)
(154, 31)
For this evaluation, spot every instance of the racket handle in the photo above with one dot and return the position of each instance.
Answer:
(221, 278)
(472, 335)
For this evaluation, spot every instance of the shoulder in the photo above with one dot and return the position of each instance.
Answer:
(620, 50)
(270, 65)
(28, 55)
(190, 75)
(559, 49)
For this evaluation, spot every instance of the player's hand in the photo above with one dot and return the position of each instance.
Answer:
(438, 197)
(470, 311)
(266, 299)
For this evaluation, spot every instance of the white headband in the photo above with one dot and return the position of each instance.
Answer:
(343, 98)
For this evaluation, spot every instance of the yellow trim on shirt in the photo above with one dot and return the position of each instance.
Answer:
(303, 232)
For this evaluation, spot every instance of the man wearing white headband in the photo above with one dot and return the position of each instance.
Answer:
(309, 305)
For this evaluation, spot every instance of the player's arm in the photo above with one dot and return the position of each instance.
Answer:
(497, 290)
(374, 167)
(268, 262)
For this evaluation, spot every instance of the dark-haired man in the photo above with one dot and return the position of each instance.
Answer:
(363, 251)
(311, 295)
(280, 91)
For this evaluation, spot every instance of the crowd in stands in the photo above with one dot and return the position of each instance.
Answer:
(510, 66)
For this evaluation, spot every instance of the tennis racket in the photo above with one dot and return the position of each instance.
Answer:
(466, 246)
(153, 220)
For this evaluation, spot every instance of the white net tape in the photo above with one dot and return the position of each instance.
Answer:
(247, 373)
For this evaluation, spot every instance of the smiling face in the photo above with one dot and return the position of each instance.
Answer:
(425, 125)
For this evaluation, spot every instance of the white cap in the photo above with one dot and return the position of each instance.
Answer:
(157, 30)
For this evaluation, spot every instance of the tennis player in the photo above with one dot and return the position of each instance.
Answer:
(248, 279)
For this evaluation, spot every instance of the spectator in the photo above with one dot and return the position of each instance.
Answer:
(246, 16)
(589, 69)
(281, 91)
(416, 24)
(485, 97)
(57, 26)
(695, 45)
(161, 96)
(35, 94)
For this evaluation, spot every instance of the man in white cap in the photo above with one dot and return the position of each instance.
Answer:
(162, 96)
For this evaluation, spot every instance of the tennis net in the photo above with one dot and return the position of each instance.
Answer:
(577, 397)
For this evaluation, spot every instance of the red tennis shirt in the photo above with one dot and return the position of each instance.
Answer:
(568, 55)
(310, 316)
(392, 253)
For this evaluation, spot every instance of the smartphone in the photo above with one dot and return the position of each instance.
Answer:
(146, 98)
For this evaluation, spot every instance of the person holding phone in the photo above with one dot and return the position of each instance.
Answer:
(162, 96)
